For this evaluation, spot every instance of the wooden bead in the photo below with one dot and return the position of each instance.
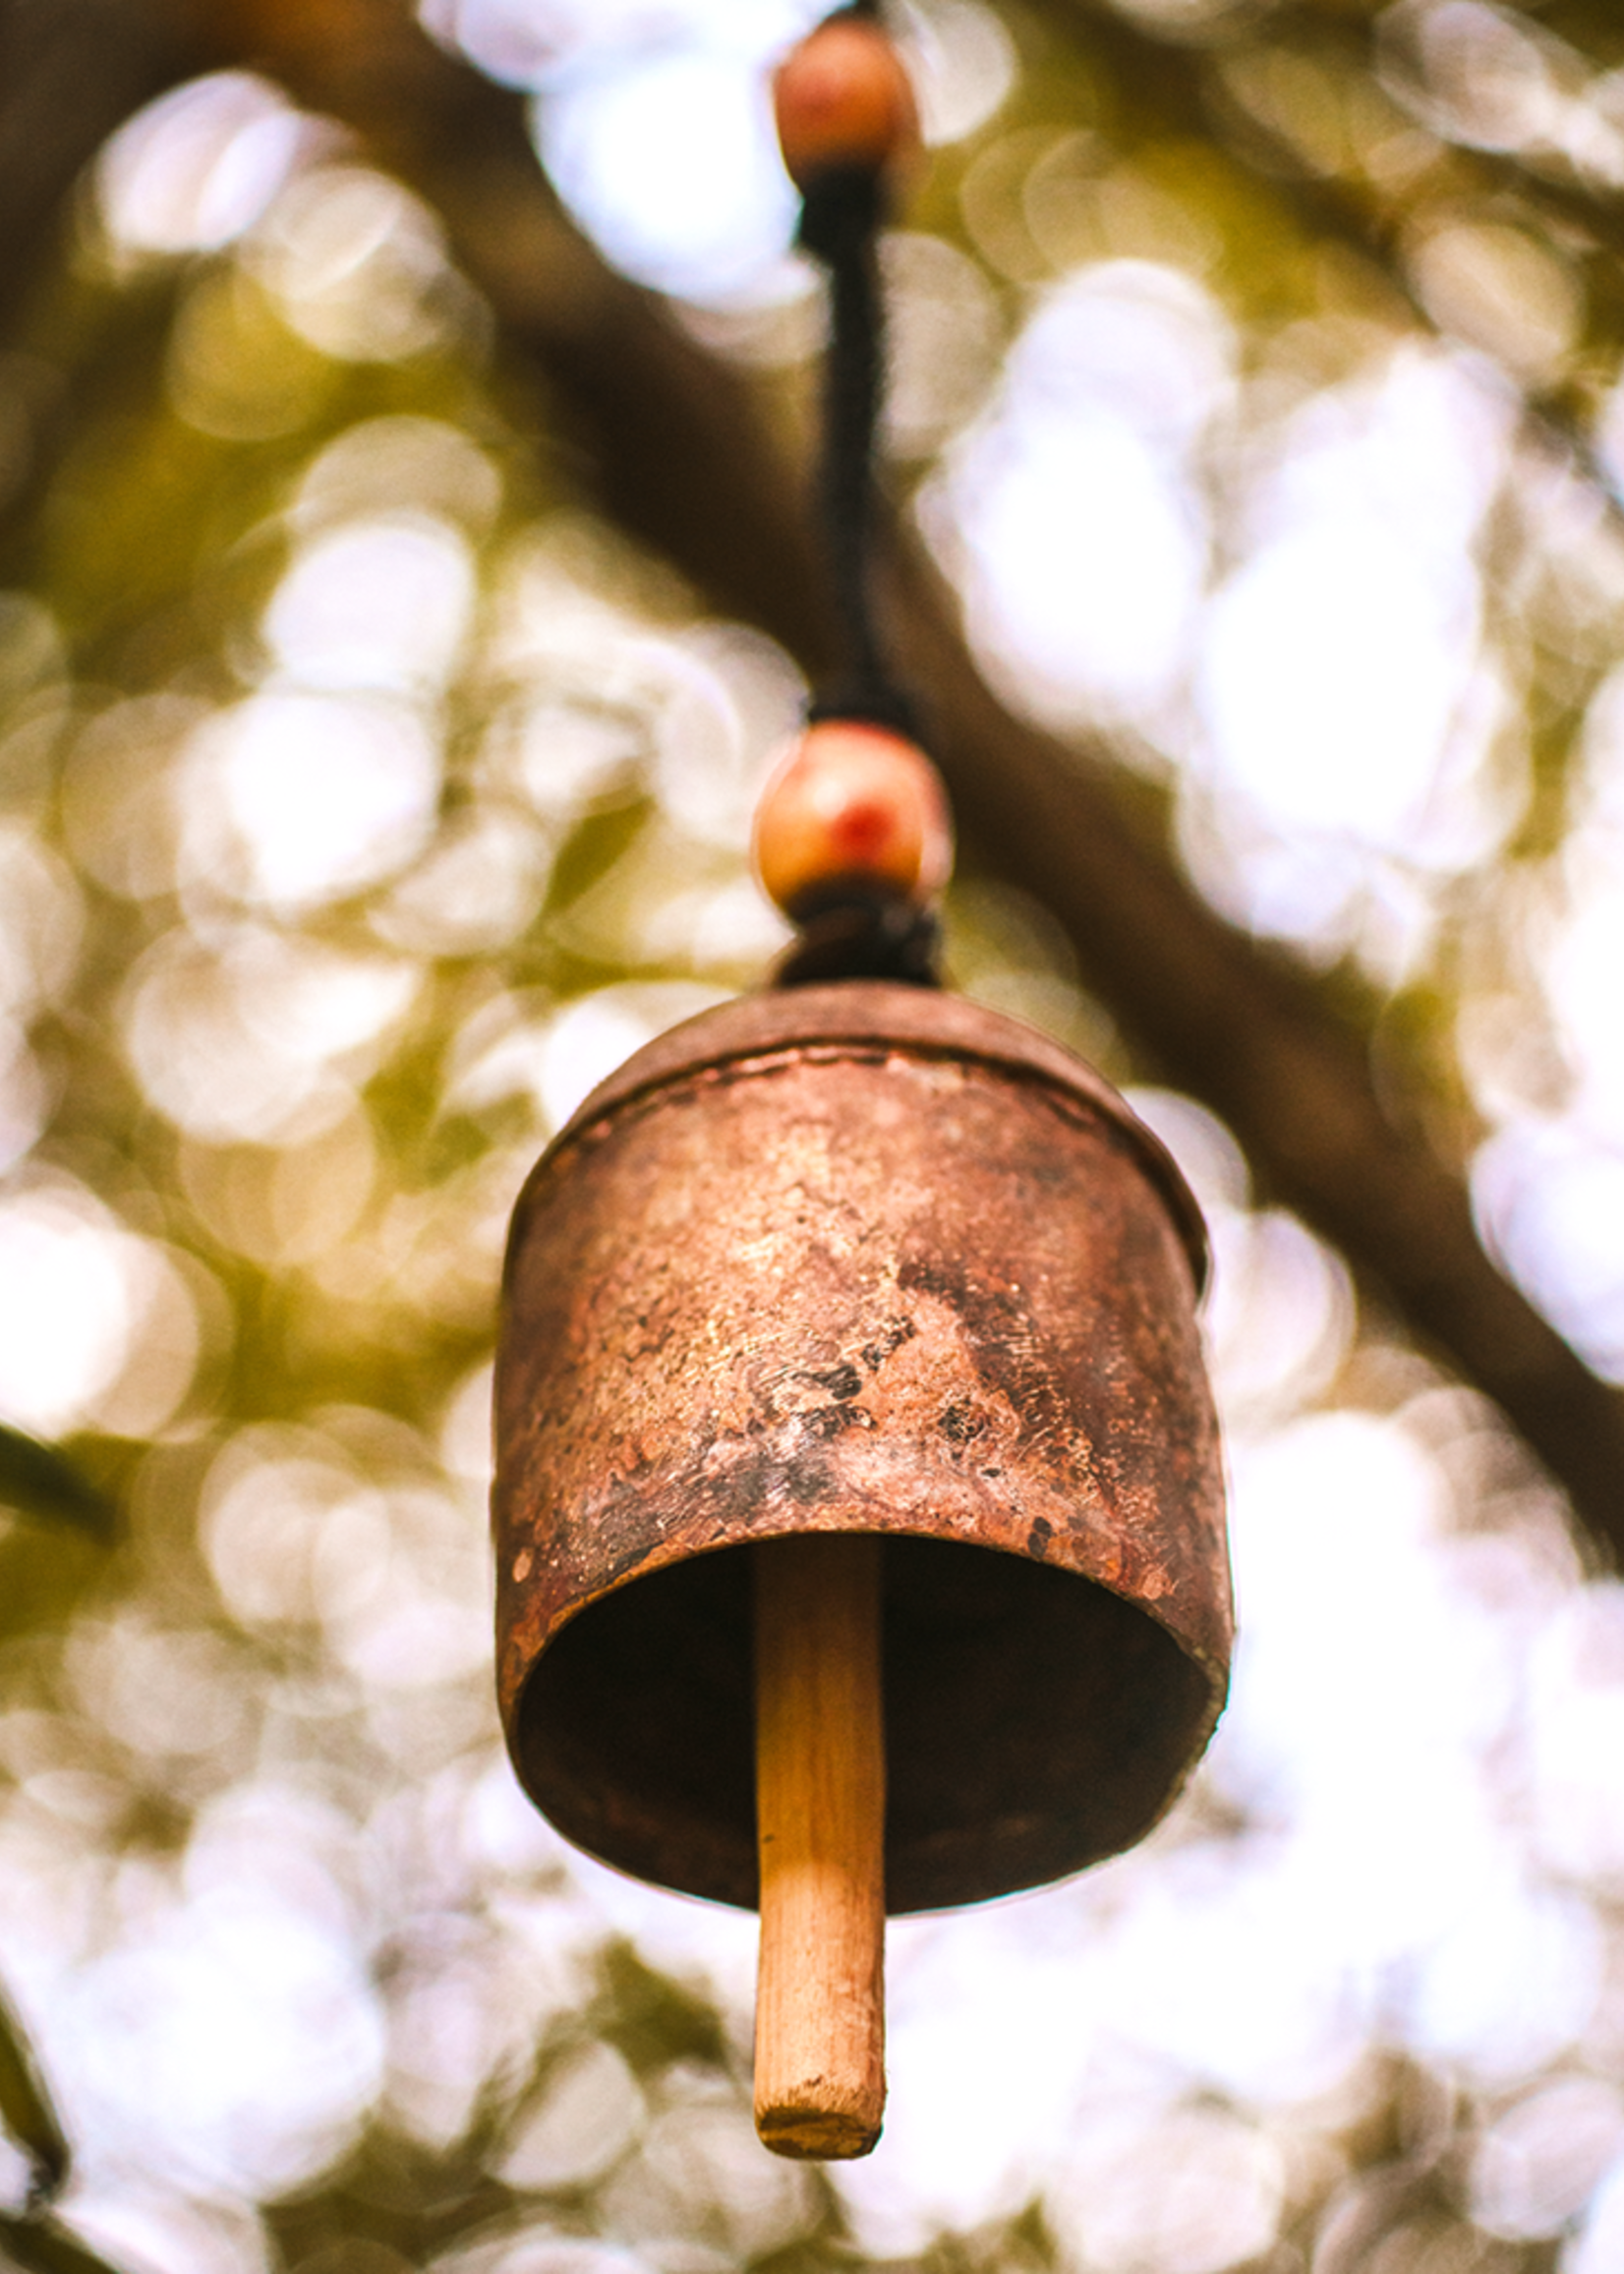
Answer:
(853, 804)
(843, 99)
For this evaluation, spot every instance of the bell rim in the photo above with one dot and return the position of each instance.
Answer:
(1214, 1671)
(1213, 1659)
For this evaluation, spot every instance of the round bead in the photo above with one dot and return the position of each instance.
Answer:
(853, 805)
(843, 97)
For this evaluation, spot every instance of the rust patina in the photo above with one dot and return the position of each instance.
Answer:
(860, 1257)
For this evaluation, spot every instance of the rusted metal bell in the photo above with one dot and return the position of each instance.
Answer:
(859, 1258)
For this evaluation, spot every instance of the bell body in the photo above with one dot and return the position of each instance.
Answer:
(869, 1259)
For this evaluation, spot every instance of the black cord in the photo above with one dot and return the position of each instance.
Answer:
(839, 218)
(842, 210)
(859, 931)
(862, 932)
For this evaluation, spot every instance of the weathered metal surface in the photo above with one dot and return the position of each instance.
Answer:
(860, 1257)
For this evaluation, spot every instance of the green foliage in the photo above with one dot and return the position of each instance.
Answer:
(285, 1085)
(650, 2018)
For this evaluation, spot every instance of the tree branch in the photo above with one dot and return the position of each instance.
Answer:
(678, 451)
(71, 72)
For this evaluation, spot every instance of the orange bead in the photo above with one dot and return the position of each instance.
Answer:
(842, 98)
(853, 805)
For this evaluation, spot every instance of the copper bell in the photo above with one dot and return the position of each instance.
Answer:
(859, 1258)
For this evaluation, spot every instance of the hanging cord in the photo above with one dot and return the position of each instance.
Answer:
(841, 216)
(845, 198)
(861, 903)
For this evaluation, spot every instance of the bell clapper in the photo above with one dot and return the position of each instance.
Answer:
(853, 840)
(820, 1830)
(852, 807)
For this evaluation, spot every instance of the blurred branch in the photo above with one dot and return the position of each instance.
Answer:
(71, 72)
(38, 1481)
(46, 2247)
(26, 2113)
(675, 448)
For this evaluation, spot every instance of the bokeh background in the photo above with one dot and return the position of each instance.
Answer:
(403, 590)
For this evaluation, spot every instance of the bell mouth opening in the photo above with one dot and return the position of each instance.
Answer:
(1035, 1724)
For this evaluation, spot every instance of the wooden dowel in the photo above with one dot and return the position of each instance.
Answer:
(820, 1827)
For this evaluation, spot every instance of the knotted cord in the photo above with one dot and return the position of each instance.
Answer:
(855, 928)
